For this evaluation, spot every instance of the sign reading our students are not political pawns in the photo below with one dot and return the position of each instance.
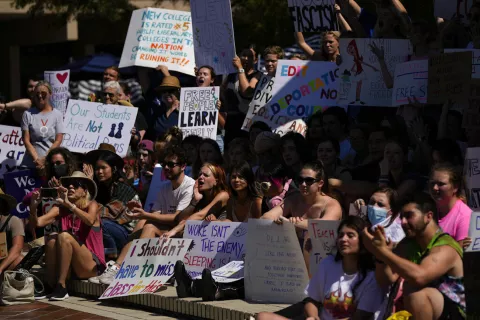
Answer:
(215, 244)
(275, 270)
(300, 88)
(87, 124)
(313, 15)
(410, 82)
(59, 80)
(199, 112)
(362, 81)
(213, 34)
(12, 149)
(148, 265)
(159, 36)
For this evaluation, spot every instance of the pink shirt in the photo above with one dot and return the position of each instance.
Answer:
(457, 221)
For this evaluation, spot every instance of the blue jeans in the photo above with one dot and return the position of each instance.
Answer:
(115, 236)
(220, 142)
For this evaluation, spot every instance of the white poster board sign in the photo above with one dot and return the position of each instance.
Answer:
(411, 81)
(475, 60)
(275, 270)
(87, 124)
(148, 265)
(262, 96)
(313, 15)
(323, 234)
(159, 36)
(199, 112)
(474, 232)
(393, 231)
(215, 244)
(362, 80)
(231, 272)
(213, 35)
(472, 177)
(60, 81)
(12, 149)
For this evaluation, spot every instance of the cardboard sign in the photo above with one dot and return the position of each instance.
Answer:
(199, 112)
(471, 114)
(313, 15)
(300, 89)
(159, 36)
(3, 245)
(262, 96)
(60, 81)
(215, 244)
(19, 184)
(411, 81)
(275, 270)
(213, 36)
(12, 149)
(475, 60)
(361, 76)
(323, 234)
(87, 124)
(449, 76)
(472, 177)
(148, 265)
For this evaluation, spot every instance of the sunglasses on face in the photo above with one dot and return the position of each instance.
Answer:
(76, 184)
(108, 94)
(170, 92)
(169, 164)
(308, 181)
(42, 95)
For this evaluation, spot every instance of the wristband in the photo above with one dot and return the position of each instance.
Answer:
(241, 70)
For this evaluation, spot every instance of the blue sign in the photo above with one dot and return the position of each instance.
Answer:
(18, 184)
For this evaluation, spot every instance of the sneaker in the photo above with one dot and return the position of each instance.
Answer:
(59, 294)
(183, 280)
(96, 279)
(108, 275)
(43, 294)
(209, 286)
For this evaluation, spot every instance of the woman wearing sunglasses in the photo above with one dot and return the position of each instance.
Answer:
(79, 245)
(42, 127)
(166, 115)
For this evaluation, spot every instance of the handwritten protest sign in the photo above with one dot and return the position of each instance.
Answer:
(199, 112)
(231, 272)
(159, 36)
(475, 60)
(472, 177)
(148, 265)
(262, 96)
(214, 245)
(60, 81)
(411, 81)
(361, 75)
(393, 231)
(213, 36)
(474, 232)
(323, 235)
(12, 149)
(313, 15)
(18, 184)
(449, 76)
(300, 89)
(275, 271)
(88, 124)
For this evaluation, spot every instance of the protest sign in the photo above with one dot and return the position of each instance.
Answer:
(87, 124)
(472, 177)
(231, 272)
(474, 232)
(313, 15)
(199, 112)
(393, 231)
(475, 60)
(262, 96)
(449, 76)
(275, 271)
(12, 149)
(361, 75)
(148, 265)
(214, 244)
(157, 180)
(159, 36)
(471, 113)
(300, 89)
(323, 235)
(213, 35)
(18, 184)
(352, 211)
(411, 81)
(60, 81)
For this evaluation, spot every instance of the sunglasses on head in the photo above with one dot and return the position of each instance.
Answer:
(308, 181)
(169, 164)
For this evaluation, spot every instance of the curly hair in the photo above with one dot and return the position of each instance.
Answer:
(67, 156)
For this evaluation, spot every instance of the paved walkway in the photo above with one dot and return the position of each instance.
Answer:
(41, 310)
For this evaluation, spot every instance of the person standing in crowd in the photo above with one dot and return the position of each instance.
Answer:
(42, 127)
(79, 245)
(429, 260)
(330, 47)
(174, 195)
(17, 107)
(166, 114)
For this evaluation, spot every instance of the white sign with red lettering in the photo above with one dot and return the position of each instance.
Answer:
(323, 234)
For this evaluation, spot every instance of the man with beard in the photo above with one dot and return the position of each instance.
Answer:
(174, 195)
(429, 261)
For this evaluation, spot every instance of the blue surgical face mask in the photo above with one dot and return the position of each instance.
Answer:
(376, 214)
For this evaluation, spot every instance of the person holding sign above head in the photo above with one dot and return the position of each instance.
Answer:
(173, 197)
(330, 47)
(209, 200)
(344, 287)
(42, 127)
(79, 245)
